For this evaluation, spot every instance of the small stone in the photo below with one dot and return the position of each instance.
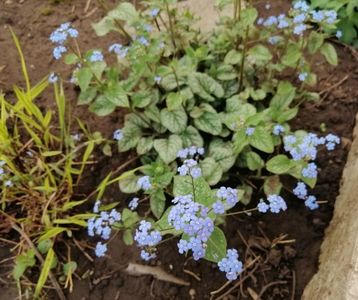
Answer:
(192, 293)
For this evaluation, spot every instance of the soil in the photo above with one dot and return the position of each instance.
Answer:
(287, 245)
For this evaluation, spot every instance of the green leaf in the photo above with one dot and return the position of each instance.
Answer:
(116, 95)
(216, 246)
(260, 53)
(129, 218)
(22, 262)
(141, 99)
(257, 95)
(272, 185)
(84, 77)
(157, 202)
(45, 245)
(209, 122)
(262, 140)
(226, 72)
(87, 95)
(254, 161)
(315, 41)
(130, 139)
(144, 145)
(204, 86)
(279, 164)
(191, 137)
(183, 185)
(329, 52)
(125, 12)
(223, 153)
(104, 26)
(97, 68)
(175, 120)
(174, 100)
(285, 94)
(168, 148)
(233, 57)
(240, 140)
(45, 270)
(102, 106)
(51, 232)
(69, 268)
(292, 55)
(71, 59)
(129, 185)
(211, 170)
(128, 237)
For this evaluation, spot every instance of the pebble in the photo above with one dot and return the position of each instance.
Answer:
(192, 293)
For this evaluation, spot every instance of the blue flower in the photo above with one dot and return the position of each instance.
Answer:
(60, 35)
(274, 40)
(339, 34)
(147, 256)
(317, 16)
(133, 204)
(144, 183)
(101, 249)
(301, 5)
(332, 140)
(300, 191)
(148, 28)
(157, 79)
(142, 40)
(299, 29)
(310, 171)
(116, 48)
(144, 236)
(191, 218)
(331, 16)
(118, 135)
(195, 172)
(275, 204)
(278, 129)
(302, 76)
(260, 21)
(8, 183)
(299, 18)
(229, 194)
(311, 202)
(231, 265)
(270, 21)
(58, 51)
(96, 56)
(154, 12)
(96, 206)
(262, 207)
(250, 131)
(52, 78)
(218, 207)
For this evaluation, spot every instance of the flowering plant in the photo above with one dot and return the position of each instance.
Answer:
(200, 107)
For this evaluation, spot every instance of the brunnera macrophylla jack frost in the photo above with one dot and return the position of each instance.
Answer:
(201, 109)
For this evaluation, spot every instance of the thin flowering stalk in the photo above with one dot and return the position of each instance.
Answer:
(243, 59)
(241, 212)
(171, 26)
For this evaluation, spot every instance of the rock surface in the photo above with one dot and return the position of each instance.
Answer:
(337, 277)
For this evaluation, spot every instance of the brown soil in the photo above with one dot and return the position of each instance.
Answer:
(287, 266)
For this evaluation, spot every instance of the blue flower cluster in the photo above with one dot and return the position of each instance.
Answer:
(275, 204)
(190, 167)
(102, 226)
(191, 218)
(231, 265)
(133, 204)
(52, 78)
(8, 182)
(60, 36)
(144, 183)
(299, 15)
(96, 56)
(230, 195)
(145, 236)
(300, 191)
(190, 152)
(306, 147)
(119, 50)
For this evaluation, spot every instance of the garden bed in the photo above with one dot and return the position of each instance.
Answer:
(289, 242)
